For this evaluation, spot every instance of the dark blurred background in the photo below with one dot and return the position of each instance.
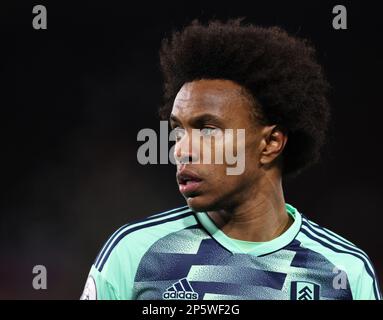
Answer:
(74, 96)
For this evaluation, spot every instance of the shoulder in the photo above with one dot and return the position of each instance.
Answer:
(320, 233)
(137, 236)
(112, 273)
(332, 245)
(342, 253)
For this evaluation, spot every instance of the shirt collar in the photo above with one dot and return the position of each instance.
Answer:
(261, 249)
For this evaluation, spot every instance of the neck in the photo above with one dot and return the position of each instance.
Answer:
(260, 217)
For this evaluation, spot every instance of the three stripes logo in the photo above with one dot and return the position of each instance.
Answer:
(181, 290)
(303, 290)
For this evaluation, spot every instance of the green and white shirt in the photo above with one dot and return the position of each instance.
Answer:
(181, 254)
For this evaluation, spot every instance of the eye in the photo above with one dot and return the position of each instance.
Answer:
(208, 131)
(178, 133)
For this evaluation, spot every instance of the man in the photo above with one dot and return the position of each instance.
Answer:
(236, 238)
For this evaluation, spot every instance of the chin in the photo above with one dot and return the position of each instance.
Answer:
(200, 204)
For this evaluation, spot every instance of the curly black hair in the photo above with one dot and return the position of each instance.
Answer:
(278, 70)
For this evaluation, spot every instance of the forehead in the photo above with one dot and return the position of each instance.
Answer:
(219, 97)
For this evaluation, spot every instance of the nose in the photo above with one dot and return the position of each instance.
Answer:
(185, 150)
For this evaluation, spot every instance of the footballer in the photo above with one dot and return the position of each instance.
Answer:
(236, 237)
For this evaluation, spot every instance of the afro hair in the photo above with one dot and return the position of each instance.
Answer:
(278, 70)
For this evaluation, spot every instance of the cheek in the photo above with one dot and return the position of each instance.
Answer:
(219, 179)
(216, 173)
(252, 159)
(253, 152)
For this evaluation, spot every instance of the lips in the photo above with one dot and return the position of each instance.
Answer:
(188, 182)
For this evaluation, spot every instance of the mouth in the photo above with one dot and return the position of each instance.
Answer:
(188, 182)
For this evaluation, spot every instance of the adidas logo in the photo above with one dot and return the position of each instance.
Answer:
(181, 290)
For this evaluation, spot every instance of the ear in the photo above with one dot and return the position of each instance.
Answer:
(273, 142)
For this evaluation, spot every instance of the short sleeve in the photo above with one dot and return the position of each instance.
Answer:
(367, 286)
(98, 288)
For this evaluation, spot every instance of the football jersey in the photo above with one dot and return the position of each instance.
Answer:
(182, 255)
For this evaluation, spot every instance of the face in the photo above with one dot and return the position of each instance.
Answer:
(211, 106)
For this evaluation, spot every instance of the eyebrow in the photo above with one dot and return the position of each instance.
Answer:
(200, 119)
